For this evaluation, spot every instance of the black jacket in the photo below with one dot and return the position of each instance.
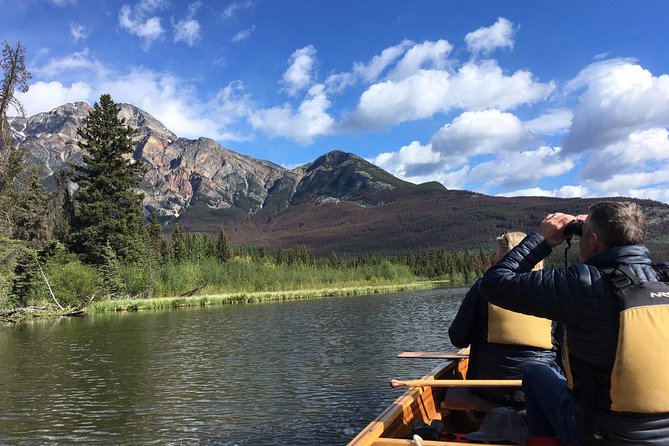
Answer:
(492, 360)
(579, 297)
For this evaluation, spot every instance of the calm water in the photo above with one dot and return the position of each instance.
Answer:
(287, 373)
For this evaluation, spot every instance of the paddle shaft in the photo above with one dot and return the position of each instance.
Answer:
(457, 383)
(433, 355)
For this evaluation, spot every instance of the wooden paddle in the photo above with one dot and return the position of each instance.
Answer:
(457, 383)
(433, 355)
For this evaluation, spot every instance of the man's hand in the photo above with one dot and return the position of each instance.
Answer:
(553, 225)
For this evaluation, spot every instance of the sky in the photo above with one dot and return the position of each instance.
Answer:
(562, 98)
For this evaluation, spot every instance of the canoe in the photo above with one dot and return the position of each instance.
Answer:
(393, 427)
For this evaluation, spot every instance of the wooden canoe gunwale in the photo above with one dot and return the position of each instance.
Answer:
(417, 403)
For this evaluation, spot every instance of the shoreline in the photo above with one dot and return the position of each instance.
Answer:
(160, 303)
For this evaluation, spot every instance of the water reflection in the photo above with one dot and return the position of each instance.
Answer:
(287, 373)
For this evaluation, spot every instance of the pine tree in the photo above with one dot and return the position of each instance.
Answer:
(178, 244)
(107, 209)
(223, 251)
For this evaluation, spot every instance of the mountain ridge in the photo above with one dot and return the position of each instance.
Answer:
(339, 202)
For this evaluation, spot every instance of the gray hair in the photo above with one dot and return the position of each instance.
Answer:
(618, 223)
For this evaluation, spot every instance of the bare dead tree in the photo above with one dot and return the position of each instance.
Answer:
(15, 78)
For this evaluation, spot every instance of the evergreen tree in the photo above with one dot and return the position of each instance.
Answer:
(223, 251)
(178, 244)
(107, 209)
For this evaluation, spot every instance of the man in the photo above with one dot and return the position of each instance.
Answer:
(590, 406)
(502, 343)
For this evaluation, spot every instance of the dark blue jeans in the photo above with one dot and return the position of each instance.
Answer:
(550, 411)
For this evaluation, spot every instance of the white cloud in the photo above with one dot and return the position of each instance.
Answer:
(298, 76)
(243, 35)
(552, 122)
(79, 32)
(136, 22)
(473, 87)
(389, 103)
(234, 8)
(170, 100)
(484, 40)
(484, 85)
(308, 121)
(517, 168)
(428, 55)
(481, 132)
(562, 192)
(188, 29)
(644, 150)
(410, 162)
(63, 3)
(44, 96)
(620, 98)
(626, 184)
(370, 71)
(78, 61)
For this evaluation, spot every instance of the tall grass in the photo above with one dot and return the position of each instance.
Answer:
(241, 280)
(244, 275)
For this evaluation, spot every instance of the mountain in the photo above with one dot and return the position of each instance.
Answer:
(339, 202)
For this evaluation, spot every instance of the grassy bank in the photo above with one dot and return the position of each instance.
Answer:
(161, 303)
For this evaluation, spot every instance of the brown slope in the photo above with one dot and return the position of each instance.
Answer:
(409, 220)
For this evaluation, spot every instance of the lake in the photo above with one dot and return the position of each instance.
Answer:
(300, 372)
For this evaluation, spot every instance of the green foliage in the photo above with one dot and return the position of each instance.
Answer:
(223, 251)
(72, 281)
(107, 210)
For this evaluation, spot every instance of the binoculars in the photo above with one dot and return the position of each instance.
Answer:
(574, 227)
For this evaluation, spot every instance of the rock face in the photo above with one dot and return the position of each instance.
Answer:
(182, 172)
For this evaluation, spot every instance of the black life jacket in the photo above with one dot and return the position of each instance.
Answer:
(639, 379)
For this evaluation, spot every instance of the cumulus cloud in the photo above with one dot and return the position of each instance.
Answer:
(78, 61)
(483, 150)
(642, 151)
(138, 21)
(475, 86)
(390, 103)
(481, 132)
(562, 192)
(552, 122)
(429, 55)
(370, 71)
(302, 125)
(619, 98)
(63, 3)
(518, 168)
(45, 96)
(79, 32)
(484, 40)
(299, 74)
(410, 162)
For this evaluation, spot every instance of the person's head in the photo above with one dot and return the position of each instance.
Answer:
(609, 224)
(506, 242)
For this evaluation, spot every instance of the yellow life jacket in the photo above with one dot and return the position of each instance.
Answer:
(640, 377)
(509, 327)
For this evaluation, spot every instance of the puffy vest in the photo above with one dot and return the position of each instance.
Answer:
(639, 379)
(509, 327)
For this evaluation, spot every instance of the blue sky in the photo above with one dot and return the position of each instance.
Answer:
(562, 98)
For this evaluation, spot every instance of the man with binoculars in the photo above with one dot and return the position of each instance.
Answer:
(614, 306)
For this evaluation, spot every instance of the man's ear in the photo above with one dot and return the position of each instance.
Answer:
(595, 242)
